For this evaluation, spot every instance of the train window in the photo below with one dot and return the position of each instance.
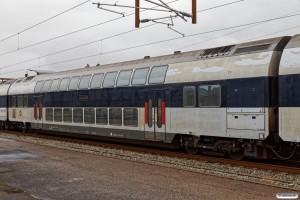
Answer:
(248, 49)
(158, 74)
(38, 86)
(159, 114)
(124, 77)
(54, 86)
(89, 116)
(77, 115)
(25, 101)
(13, 101)
(20, 101)
(109, 79)
(84, 82)
(130, 117)
(67, 117)
(115, 116)
(189, 96)
(64, 84)
(96, 81)
(140, 76)
(150, 113)
(57, 114)
(46, 86)
(49, 114)
(101, 116)
(209, 95)
(74, 83)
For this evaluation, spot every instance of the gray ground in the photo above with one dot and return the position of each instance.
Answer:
(36, 172)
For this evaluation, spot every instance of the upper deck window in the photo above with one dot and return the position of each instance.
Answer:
(64, 84)
(253, 48)
(46, 86)
(54, 86)
(189, 96)
(38, 86)
(96, 81)
(84, 82)
(124, 77)
(140, 76)
(109, 79)
(158, 74)
(74, 83)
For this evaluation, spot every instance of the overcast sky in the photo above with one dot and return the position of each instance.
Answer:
(18, 15)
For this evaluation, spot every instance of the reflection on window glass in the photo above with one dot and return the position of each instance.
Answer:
(46, 86)
(84, 82)
(89, 115)
(159, 114)
(140, 76)
(38, 86)
(158, 74)
(64, 84)
(67, 115)
(101, 116)
(25, 101)
(20, 101)
(189, 96)
(96, 81)
(150, 120)
(49, 114)
(13, 101)
(57, 114)
(77, 115)
(124, 77)
(54, 86)
(210, 95)
(109, 79)
(130, 117)
(115, 116)
(74, 83)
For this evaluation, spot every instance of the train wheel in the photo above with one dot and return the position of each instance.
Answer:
(238, 155)
(190, 149)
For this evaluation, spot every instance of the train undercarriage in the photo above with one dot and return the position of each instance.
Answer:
(238, 149)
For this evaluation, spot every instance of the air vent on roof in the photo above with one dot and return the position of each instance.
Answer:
(254, 48)
(29, 78)
(146, 57)
(177, 52)
(219, 51)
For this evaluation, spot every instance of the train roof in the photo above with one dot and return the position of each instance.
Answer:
(238, 50)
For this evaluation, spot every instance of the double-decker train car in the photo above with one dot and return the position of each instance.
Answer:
(222, 99)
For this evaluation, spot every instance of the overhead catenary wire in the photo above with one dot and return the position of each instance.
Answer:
(102, 39)
(161, 41)
(220, 36)
(48, 19)
(76, 31)
(106, 22)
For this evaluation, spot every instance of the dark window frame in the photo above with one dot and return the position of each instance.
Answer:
(183, 96)
(209, 96)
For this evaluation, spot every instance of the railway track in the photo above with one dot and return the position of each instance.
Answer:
(272, 174)
(289, 166)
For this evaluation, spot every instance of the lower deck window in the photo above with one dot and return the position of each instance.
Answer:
(67, 115)
(49, 114)
(77, 115)
(115, 116)
(130, 117)
(101, 116)
(89, 115)
(57, 114)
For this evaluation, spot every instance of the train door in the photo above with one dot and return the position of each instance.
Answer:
(155, 116)
(38, 112)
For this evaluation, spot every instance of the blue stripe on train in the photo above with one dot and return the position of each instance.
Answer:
(246, 92)
(289, 90)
